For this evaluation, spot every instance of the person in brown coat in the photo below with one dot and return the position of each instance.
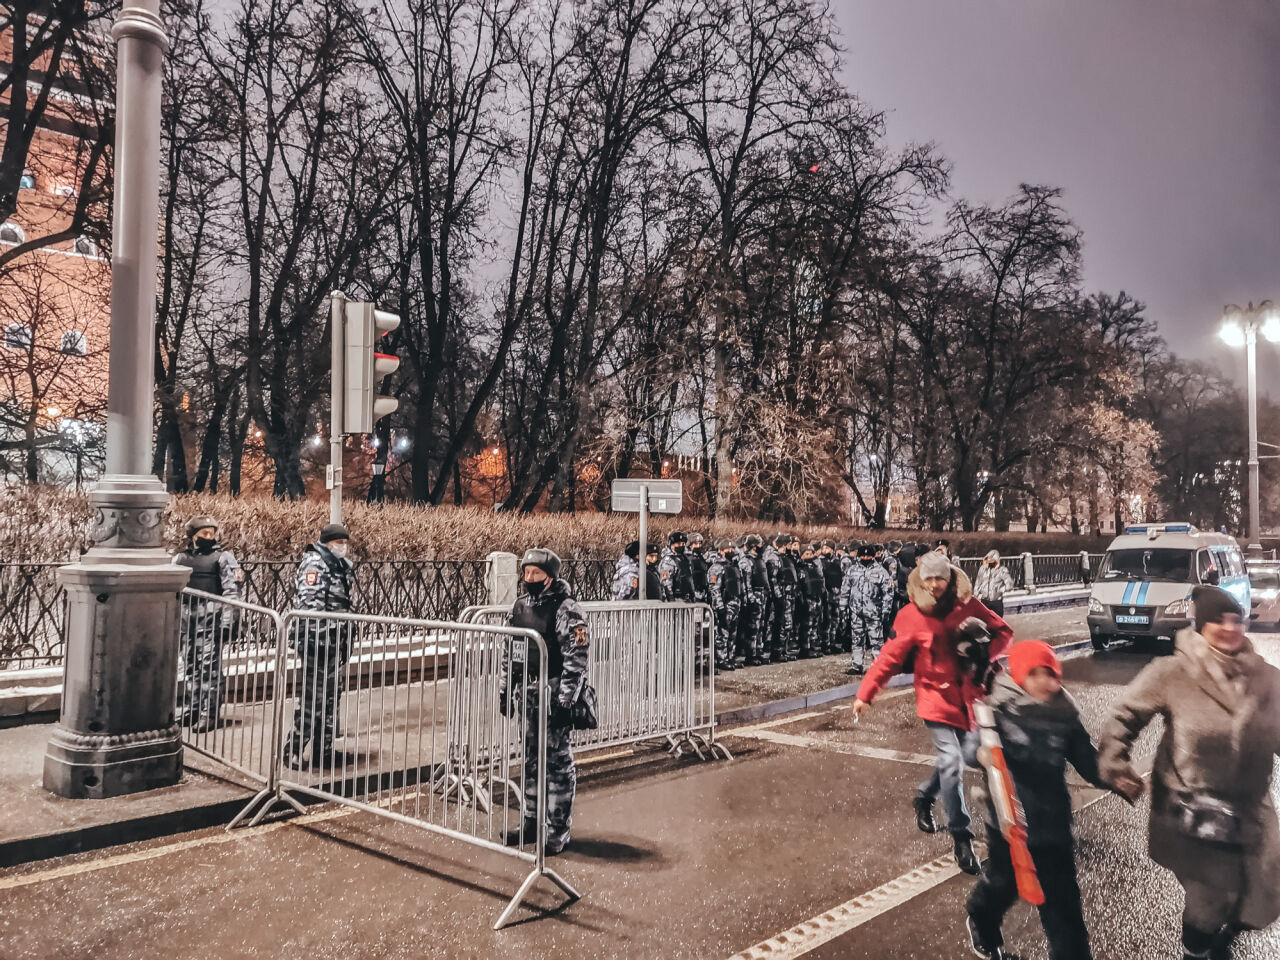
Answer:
(1212, 820)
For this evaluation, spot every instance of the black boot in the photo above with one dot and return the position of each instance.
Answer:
(296, 755)
(981, 946)
(966, 859)
(924, 814)
(527, 832)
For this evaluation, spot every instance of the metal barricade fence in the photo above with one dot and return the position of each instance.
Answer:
(652, 667)
(229, 675)
(376, 732)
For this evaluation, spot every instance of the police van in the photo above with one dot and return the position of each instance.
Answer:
(1143, 588)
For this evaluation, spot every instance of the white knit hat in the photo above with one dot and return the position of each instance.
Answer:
(935, 565)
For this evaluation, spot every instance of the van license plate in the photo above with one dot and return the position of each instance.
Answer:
(1134, 621)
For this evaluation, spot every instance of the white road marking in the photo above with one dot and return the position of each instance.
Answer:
(769, 724)
(852, 914)
(835, 746)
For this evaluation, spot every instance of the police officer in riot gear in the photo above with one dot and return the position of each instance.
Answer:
(832, 577)
(782, 584)
(676, 570)
(626, 577)
(698, 566)
(866, 602)
(811, 602)
(325, 581)
(546, 605)
(755, 601)
(204, 630)
(725, 587)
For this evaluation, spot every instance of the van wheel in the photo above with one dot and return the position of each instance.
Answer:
(1101, 642)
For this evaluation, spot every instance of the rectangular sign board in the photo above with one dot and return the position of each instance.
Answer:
(665, 496)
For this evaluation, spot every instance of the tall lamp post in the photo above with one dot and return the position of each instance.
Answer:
(116, 732)
(1240, 328)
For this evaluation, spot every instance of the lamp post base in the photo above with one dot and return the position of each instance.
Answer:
(116, 734)
(96, 766)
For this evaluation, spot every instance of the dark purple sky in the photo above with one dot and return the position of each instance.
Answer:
(1159, 118)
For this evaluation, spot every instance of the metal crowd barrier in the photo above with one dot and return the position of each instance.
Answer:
(652, 667)
(337, 719)
(228, 670)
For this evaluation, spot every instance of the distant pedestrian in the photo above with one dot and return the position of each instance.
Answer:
(724, 584)
(943, 547)
(324, 583)
(993, 582)
(1212, 818)
(626, 575)
(675, 569)
(205, 623)
(546, 605)
(925, 631)
(1040, 732)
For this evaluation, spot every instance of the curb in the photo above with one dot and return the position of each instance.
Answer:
(101, 835)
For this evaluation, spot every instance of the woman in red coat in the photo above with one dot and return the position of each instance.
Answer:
(941, 599)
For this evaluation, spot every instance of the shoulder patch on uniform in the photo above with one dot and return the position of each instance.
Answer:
(580, 636)
(666, 574)
(239, 573)
(313, 577)
(711, 578)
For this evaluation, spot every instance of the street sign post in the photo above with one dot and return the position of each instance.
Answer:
(645, 497)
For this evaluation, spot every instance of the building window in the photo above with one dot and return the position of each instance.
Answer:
(10, 232)
(28, 181)
(74, 343)
(17, 336)
(86, 247)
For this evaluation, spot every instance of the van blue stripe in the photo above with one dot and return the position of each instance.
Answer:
(1128, 592)
(1142, 593)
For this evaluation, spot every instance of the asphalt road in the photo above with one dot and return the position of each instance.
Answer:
(802, 846)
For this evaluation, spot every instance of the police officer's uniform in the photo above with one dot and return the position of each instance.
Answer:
(698, 567)
(812, 595)
(323, 582)
(725, 587)
(752, 620)
(559, 619)
(676, 571)
(866, 601)
(204, 630)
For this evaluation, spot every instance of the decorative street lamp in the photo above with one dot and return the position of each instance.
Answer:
(1240, 328)
(116, 732)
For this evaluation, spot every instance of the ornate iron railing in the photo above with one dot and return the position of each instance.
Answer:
(33, 605)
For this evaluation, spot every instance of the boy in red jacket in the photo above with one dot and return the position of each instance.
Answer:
(941, 599)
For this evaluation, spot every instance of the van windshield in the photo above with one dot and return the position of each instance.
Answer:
(1171, 565)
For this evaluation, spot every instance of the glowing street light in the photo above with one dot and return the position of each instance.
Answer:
(1240, 328)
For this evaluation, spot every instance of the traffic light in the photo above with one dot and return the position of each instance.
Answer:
(364, 366)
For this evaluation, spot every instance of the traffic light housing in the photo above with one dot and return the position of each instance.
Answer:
(364, 367)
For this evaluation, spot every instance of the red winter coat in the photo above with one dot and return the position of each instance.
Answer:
(942, 695)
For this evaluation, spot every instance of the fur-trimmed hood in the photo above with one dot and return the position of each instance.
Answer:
(918, 594)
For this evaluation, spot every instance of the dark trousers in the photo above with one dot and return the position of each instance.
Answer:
(995, 606)
(1060, 914)
(322, 681)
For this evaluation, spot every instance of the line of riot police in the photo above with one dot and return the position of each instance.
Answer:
(780, 600)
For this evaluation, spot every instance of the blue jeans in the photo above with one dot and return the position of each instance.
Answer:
(948, 773)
